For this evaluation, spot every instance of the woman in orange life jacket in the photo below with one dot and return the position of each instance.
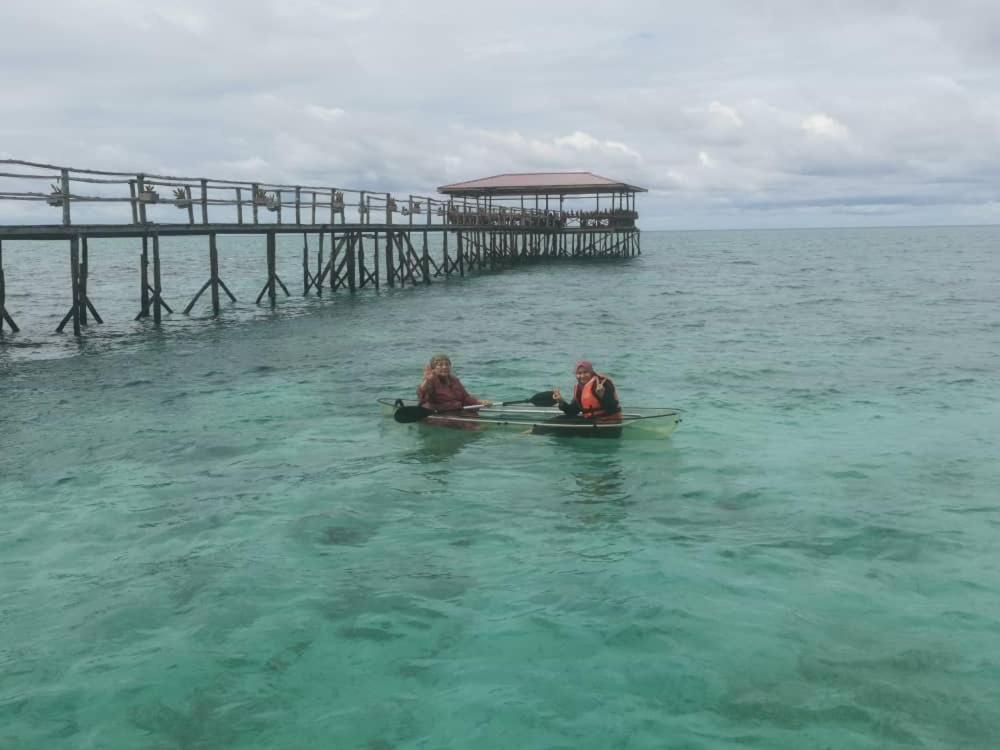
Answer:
(594, 397)
(442, 391)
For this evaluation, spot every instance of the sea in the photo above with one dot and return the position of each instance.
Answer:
(211, 537)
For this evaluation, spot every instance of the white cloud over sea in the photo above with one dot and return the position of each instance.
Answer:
(732, 114)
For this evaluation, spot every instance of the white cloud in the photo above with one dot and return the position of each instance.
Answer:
(716, 105)
(824, 126)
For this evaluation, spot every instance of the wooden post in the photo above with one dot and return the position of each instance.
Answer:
(74, 272)
(135, 210)
(65, 197)
(157, 286)
(4, 315)
(190, 202)
(313, 208)
(305, 259)
(377, 254)
(298, 200)
(444, 253)
(351, 254)
(140, 186)
(319, 265)
(204, 201)
(83, 281)
(213, 261)
(239, 206)
(426, 261)
(390, 268)
(253, 199)
(144, 279)
(277, 195)
(272, 264)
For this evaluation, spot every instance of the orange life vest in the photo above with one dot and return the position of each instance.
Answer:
(590, 404)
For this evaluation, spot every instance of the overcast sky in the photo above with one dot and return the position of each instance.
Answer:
(733, 114)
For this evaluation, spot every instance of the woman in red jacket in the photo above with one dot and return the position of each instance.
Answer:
(440, 390)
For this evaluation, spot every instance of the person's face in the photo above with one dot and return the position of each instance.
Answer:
(582, 376)
(442, 368)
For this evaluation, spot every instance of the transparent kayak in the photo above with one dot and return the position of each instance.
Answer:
(637, 423)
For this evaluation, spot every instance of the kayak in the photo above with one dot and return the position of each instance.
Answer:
(637, 423)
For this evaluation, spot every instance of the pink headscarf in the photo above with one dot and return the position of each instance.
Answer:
(584, 364)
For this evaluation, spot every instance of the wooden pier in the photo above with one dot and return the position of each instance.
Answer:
(360, 238)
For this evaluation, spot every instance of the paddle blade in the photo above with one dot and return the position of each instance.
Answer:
(406, 414)
(544, 398)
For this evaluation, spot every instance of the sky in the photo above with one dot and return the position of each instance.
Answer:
(732, 114)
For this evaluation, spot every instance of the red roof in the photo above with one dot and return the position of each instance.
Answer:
(535, 183)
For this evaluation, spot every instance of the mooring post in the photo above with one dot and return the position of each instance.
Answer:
(4, 315)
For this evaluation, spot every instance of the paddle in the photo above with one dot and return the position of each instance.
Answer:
(407, 414)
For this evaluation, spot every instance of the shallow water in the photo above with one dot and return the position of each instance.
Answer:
(211, 538)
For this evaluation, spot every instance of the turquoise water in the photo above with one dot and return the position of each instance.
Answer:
(211, 539)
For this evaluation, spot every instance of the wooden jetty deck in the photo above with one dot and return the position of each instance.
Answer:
(361, 238)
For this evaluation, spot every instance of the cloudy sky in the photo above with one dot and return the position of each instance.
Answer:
(733, 114)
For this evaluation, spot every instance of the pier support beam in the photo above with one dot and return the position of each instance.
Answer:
(4, 315)
(78, 279)
(213, 279)
(150, 293)
(272, 273)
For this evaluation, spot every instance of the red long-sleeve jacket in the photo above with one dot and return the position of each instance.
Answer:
(444, 394)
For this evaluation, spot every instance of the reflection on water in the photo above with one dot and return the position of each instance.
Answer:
(597, 471)
(435, 443)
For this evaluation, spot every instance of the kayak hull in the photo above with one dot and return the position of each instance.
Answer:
(638, 423)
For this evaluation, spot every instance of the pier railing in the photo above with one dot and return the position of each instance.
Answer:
(361, 238)
(71, 197)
